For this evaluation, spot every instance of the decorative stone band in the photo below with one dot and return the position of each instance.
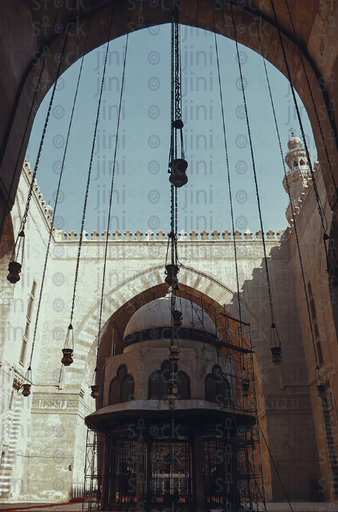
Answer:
(296, 402)
(149, 236)
(184, 333)
(43, 402)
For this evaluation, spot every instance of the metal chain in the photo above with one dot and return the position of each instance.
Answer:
(89, 172)
(173, 138)
(111, 199)
(45, 53)
(227, 166)
(57, 198)
(24, 218)
(176, 225)
(254, 173)
(288, 190)
(176, 114)
(319, 203)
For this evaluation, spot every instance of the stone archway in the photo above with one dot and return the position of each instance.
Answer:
(21, 75)
(121, 303)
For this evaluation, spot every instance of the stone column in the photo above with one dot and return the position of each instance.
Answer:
(197, 472)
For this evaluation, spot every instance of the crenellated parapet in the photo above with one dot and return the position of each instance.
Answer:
(160, 236)
(46, 209)
(149, 236)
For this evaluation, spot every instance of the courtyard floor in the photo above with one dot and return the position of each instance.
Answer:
(271, 507)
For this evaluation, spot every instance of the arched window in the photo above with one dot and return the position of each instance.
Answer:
(217, 388)
(127, 388)
(121, 387)
(115, 392)
(159, 380)
(183, 385)
(210, 388)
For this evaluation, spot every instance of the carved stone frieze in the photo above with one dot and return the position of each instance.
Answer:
(55, 402)
(300, 402)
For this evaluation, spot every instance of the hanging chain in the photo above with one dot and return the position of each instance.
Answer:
(111, 199)
(319, 203)
(57, 196)
(44, 54)
(255, 175)
(176, 115)
(89, 172)
(24, 218)
(288, 189)
(173, 145)
(227, 166)
(176, 226)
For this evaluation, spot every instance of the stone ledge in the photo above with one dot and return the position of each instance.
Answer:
(149, 236)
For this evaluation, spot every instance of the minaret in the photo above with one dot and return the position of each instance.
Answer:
(298, 174)
(299, 171)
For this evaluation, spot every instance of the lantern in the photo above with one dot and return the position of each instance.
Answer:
(276, 355)
(171, 272)
(178, 178)
(27, 386)
(14, 267)
(68, 348)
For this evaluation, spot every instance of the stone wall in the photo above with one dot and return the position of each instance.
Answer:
(54, 450)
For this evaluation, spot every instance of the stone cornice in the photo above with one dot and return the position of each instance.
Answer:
(149, 236)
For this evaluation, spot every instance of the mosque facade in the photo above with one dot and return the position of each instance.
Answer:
(47, 438)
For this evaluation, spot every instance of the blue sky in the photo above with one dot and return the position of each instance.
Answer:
(141, 197)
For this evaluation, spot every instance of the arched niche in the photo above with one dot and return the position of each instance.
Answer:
(123, 301)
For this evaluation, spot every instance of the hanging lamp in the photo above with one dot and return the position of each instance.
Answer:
(95, 387)
(27, 385)
(275, 344)
(15, 266)
(28, 378)
(177, 165)
(44, 54)
(68, 347)
(16, 261)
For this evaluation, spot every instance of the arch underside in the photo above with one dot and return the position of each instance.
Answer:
(133, 16)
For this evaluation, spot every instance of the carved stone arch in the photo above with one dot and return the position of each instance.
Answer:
(121, 302)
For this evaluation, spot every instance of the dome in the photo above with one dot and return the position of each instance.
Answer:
(295, 143)
(157, 314)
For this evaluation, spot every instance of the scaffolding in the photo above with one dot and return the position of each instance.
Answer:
(92, 478)
(233, 344)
